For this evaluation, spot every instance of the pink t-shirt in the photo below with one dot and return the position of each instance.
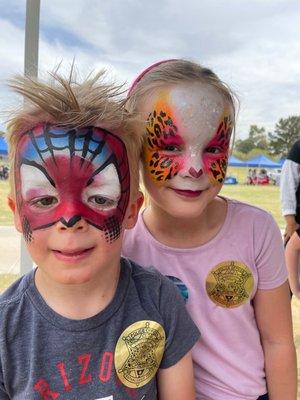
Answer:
(219, 280)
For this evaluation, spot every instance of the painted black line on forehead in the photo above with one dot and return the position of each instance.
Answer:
(31, 163)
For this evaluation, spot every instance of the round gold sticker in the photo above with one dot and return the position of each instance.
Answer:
(138, 353)
(230, 284)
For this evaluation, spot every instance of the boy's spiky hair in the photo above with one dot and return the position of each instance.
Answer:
(64, 101)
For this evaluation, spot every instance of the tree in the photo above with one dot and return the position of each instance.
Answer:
(257, 139)
(286, 133)
(244, 146)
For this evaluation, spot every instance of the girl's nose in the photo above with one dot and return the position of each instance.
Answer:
(194, 173)
(193, 165)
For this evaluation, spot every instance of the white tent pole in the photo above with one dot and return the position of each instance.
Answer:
(30, 68)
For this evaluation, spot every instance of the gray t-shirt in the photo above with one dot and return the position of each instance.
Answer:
(111, 356)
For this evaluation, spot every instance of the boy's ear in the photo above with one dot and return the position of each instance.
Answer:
(133, 211)
(12, 205)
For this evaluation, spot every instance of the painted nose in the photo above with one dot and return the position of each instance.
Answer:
(194, 173)
(69, 223)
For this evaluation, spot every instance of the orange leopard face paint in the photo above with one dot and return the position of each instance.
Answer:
(160, 159)
(187, 135)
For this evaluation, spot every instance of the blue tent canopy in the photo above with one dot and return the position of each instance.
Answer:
(3, 147)
(263, 162)
(235, 162)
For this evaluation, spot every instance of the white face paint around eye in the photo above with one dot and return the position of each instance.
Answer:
(105, 184)
(34, 183)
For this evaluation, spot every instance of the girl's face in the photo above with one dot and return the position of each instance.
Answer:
(185, 154)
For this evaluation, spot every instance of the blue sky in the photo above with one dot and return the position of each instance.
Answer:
(253, 46)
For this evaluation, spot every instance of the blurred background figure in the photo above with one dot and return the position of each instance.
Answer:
(290, 191)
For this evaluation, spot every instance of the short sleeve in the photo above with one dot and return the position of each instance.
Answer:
(181, 331)
(269, 253)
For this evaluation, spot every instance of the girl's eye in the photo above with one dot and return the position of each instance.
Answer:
(171, 147)
(213, 150)
(102, 202)
(45, 202)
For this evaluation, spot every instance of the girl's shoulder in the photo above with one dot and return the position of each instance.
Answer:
(250, 216)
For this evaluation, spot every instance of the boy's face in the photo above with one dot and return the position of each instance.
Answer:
(72, 192)
(185, 154)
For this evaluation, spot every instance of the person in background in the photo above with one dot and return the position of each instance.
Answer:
(292, 252)
(290, 191)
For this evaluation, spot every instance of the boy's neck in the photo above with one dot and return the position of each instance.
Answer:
(78, 301)
(186, 233)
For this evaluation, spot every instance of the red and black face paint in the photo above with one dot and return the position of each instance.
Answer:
(215, 156)
(65, 175)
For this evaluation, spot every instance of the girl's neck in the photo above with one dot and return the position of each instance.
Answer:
(186, 233)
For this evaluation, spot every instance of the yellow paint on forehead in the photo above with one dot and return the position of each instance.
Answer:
(162, 103)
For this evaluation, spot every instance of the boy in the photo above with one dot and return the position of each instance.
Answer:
(84, 325)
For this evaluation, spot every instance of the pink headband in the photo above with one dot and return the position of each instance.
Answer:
(144, 72)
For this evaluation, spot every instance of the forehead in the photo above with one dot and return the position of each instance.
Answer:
(196, 108)
(47, 141)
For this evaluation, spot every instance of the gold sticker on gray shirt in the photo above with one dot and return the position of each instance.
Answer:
(230, 284)
(138, 353)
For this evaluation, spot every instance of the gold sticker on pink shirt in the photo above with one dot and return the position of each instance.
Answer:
(230, 284)
(138, 353)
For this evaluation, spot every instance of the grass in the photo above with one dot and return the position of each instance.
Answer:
(6, 280)
(264, 196)
(6, 217)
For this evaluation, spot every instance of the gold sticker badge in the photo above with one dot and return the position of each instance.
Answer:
(139, 352)
(230, 284)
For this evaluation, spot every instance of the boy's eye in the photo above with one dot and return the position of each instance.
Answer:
(213, 150)
(102, 202)
(45, 202)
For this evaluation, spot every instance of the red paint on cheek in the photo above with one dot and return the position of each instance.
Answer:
(215, 156)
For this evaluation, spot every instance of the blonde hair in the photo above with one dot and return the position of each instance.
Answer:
(173, 72)
(66, 102)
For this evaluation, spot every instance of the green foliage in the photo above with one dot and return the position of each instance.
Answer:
(257, 139)
(286, 133)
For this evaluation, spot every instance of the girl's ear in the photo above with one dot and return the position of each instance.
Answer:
(133, 211)
(17, 220)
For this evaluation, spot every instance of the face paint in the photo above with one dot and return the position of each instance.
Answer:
(161, 141)
(215, 156)
(188, 134)
(65, 175)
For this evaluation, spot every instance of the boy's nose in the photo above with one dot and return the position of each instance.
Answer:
(76, 222)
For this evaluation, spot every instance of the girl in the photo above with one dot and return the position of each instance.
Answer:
(225, 256)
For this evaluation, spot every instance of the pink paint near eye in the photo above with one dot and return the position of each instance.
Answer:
(34, 193)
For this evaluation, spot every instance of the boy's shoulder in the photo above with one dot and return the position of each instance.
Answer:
(152, 286)
(148, 277)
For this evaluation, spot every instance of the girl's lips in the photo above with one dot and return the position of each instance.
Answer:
(71, 256)
(188, 193)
